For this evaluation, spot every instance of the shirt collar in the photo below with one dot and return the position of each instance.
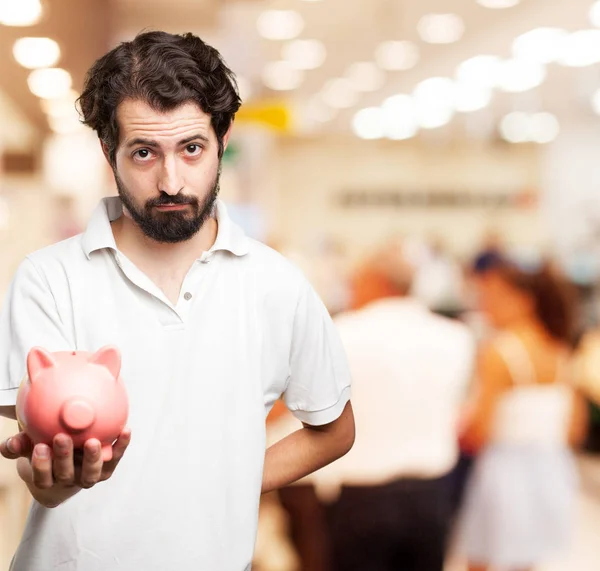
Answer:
(98, 234)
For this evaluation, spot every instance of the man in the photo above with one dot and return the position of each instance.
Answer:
(410, 370)
(213, 327)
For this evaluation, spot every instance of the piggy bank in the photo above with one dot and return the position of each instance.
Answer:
(73, 392)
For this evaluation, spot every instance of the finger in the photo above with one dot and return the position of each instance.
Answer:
(16, 446)
(119, 448)
(63, 466)
(41, 465)
(91, 468)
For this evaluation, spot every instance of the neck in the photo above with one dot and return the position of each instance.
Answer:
(147, 252)
(528, 327)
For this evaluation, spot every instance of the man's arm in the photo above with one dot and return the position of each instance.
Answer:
(30, 317)
(307, 450)
(8, 412)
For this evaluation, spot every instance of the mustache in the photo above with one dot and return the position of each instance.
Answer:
(164, 199)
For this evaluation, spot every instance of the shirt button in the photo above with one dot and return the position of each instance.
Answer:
(187, 296)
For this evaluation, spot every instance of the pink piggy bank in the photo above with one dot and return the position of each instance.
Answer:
(74, 392)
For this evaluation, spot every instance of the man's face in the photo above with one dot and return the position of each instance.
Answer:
(167, 169)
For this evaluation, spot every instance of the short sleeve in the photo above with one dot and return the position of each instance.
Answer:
(28, 318)
(318, 387)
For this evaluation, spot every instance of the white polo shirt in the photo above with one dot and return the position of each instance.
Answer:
(201, 376)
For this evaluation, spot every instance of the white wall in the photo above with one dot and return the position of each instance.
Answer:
(310, 174)
(570, 178)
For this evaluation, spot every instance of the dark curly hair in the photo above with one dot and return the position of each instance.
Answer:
(164, 70)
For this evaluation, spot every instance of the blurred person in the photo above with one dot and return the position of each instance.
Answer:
(587, 378)
(519, 503)
(491, 248)
(213, 328)
(493, 243)
(410, 370)
(438, 281)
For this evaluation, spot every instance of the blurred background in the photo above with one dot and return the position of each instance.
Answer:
(454, 126)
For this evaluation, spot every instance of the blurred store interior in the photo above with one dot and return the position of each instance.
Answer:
(450, 125)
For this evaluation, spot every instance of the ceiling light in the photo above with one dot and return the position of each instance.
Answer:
(595, 14)
(244, 87)
(281, 76)
(304, 54)
(541, 45)
(441, 28)
(400, 117)
(518, 76)
(580, 49)
(539, 128)
(65, 125)
(365, 76)
(339, 93)
(596, 102)
(34, 53)
(498, 4)
(49, 83)
(543, 128)
(397, 55)
(434, 118)
(20, 12)
(514, 127)
(470, 98)
(280, 24)
(435, 102)
(435, 92)
(479, 71)
(62, 106)
(369, 123)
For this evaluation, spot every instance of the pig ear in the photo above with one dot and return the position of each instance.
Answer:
(38, 360)
(109, 357)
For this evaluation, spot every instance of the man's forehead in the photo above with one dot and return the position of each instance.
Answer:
(138, 118)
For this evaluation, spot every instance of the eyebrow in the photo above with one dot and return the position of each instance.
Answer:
(154, 144)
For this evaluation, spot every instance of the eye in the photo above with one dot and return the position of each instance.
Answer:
(142, 154)
(193, 149)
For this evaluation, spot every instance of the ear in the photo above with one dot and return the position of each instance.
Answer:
(106, 154)
(108, 357)
(38, 360)
(226, 137)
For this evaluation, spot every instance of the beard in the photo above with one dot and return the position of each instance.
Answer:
(169, 227)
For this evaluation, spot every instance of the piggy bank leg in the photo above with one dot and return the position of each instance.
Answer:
(107, 453)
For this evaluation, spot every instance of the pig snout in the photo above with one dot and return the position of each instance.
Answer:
(77, 415)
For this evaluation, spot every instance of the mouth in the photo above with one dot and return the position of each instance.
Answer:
(170, 207)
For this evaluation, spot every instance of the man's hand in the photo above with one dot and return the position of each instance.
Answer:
(55, 474)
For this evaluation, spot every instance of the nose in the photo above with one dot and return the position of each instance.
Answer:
(171, 181)
(77, 415)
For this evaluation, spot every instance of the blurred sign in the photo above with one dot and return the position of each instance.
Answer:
(19, 163)
(436, 199)
(271, 114)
